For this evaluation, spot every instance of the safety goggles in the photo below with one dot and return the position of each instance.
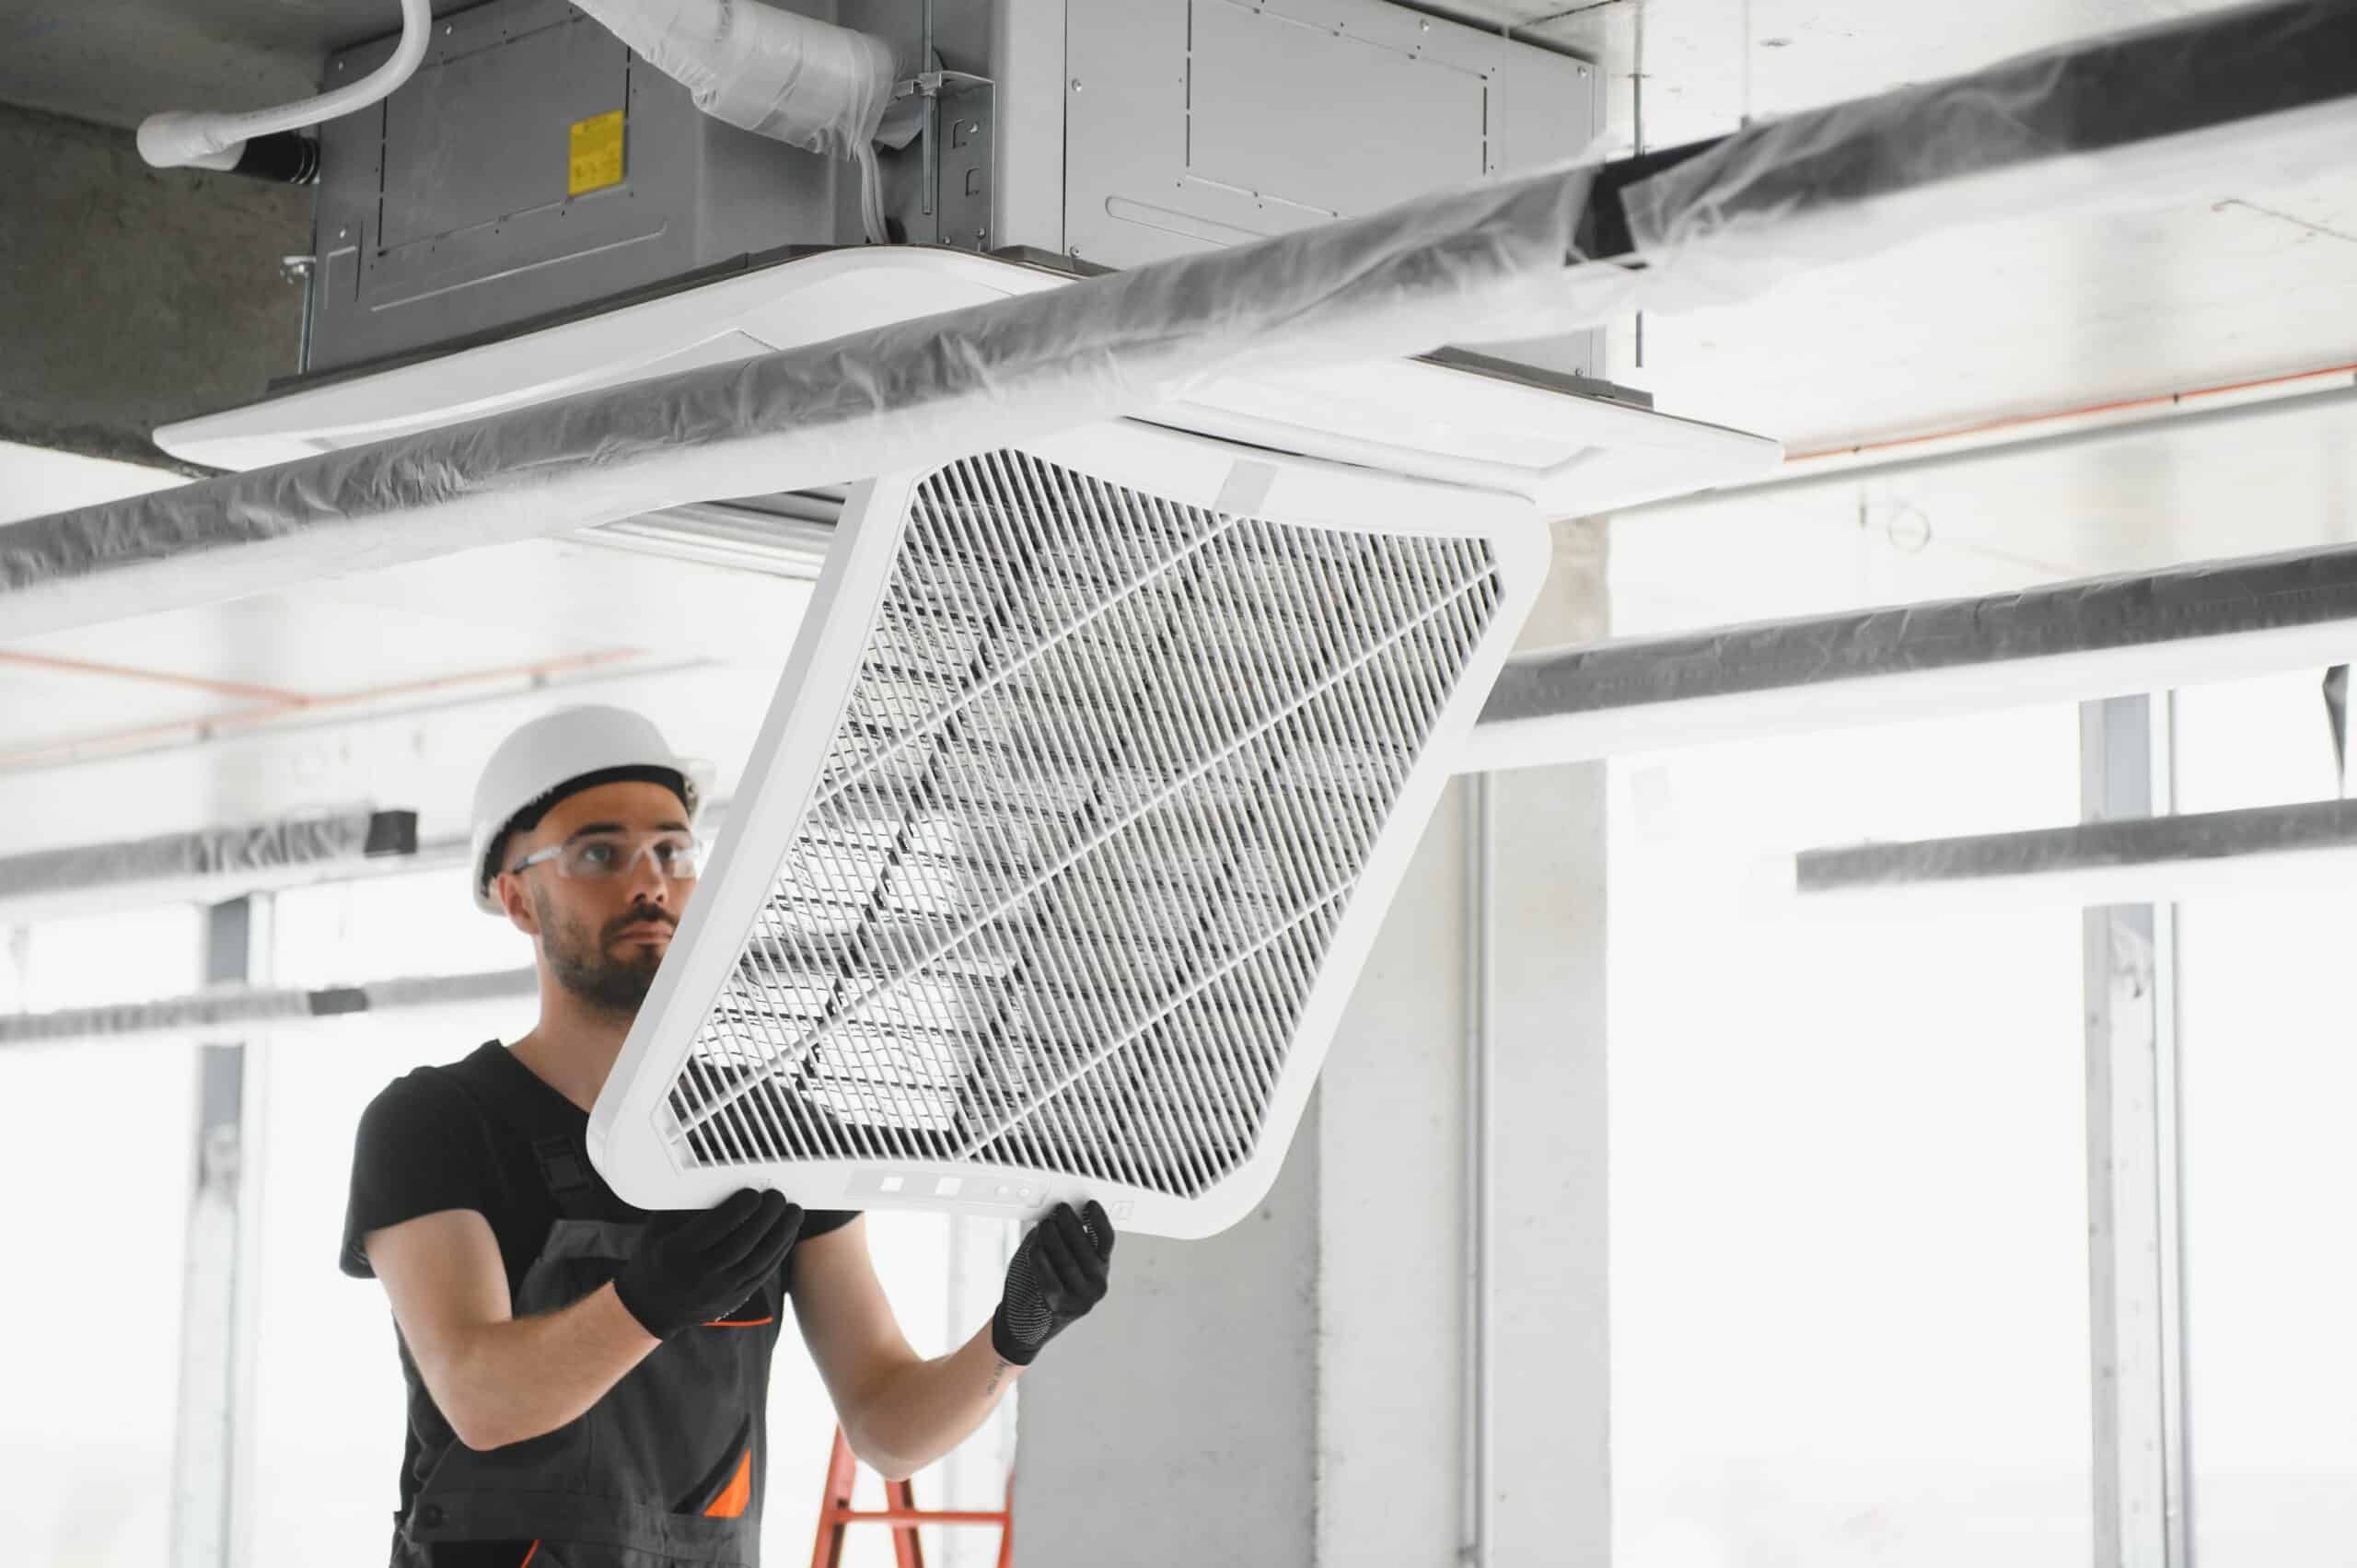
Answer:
(601, 857)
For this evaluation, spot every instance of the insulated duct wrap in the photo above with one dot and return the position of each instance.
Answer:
(793, 78)
(2069, 642)
(910, 395)
(227, 854)
(2100, 125)
(2093, 862)
(241, 1009)
(1498, 261)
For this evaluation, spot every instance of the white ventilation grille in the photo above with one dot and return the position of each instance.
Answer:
(1105, 772)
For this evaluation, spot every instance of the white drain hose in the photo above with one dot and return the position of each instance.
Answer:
(793, 78)
(178, 139)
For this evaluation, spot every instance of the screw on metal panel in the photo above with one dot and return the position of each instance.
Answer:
(1075, 84)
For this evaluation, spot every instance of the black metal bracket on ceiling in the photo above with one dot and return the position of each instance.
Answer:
(2210, 73)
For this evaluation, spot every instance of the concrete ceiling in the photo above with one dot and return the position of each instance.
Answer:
(2037, 314)
(116, 62)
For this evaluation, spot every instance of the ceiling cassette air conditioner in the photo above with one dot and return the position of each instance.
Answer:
(1094, 768)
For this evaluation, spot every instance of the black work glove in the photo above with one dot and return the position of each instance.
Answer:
(1057, 1275)
(693, 1265)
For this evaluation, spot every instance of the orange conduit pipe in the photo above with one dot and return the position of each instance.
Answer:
(2089, 411)
(1823, 466)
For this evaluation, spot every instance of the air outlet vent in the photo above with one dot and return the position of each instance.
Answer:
(1089, 779)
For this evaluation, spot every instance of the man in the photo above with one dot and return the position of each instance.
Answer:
(588, 1381)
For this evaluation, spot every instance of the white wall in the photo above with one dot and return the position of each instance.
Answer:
(1391, 1291)
(1341, 1325)
(1174, 1424)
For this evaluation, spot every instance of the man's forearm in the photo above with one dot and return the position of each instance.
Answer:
(529, 1376)
(922, 1411)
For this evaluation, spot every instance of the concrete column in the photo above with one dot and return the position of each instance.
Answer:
(1176, 1425)
(1293, 1392)
(1392, 1289)
(1551, 1476)
(1550, 1343)
(1391, 1285)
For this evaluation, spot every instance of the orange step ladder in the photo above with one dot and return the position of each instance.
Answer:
(901, 1511)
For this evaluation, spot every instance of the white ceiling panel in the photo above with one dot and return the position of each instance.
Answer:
(2243, 278)
(413, 674)
(2193, 493)
(549, 596)
(1808, 53)
(443, 625)
(425, 760)
(2247, 275)
(35, 480)
(44, 706)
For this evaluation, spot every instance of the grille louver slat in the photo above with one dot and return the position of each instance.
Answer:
(1103, 782)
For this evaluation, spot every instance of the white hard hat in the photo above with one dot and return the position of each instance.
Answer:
(566, 748)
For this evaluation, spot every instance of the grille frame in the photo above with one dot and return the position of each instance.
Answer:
(633, 1131)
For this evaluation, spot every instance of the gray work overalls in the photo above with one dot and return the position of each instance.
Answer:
(663, 1471)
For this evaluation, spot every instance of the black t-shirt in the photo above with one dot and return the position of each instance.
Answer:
(460, 1137)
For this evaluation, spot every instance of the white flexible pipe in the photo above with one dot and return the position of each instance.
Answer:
(180, 139)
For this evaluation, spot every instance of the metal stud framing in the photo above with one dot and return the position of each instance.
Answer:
(216, 1300)
(2143, 1517)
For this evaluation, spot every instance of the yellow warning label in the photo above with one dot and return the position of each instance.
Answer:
(596, 147)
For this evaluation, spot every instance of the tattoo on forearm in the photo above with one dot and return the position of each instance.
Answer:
(997, 1373)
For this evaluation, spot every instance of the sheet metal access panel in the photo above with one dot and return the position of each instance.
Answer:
(497, 185)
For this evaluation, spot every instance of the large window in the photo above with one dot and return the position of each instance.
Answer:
(1849, 1270)
(97, 1164)
(2269, 1090)
(2271, 1093)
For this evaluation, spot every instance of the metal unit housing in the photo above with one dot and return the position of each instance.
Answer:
(446, 213)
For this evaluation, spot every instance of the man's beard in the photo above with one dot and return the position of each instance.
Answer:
(582, 967)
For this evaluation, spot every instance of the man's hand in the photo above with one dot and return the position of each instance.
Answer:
(1058, 1273)
(692, 1265)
